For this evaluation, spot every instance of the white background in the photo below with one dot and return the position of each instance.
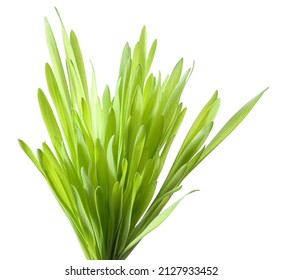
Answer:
(235, 221)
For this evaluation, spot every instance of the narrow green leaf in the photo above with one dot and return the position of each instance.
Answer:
(30, 154)
(48, 117)
(126, 55)
(150, 57)
(79, 61)
(56, 62)
(231, 125)
(206, 116)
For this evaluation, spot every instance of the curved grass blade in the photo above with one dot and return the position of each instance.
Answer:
(231, 125)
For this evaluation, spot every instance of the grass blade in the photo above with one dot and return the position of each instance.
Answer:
(231, 125)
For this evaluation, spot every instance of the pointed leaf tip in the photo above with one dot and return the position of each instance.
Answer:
(231, 124)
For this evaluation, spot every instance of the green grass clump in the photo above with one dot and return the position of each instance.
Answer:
(108, 153)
